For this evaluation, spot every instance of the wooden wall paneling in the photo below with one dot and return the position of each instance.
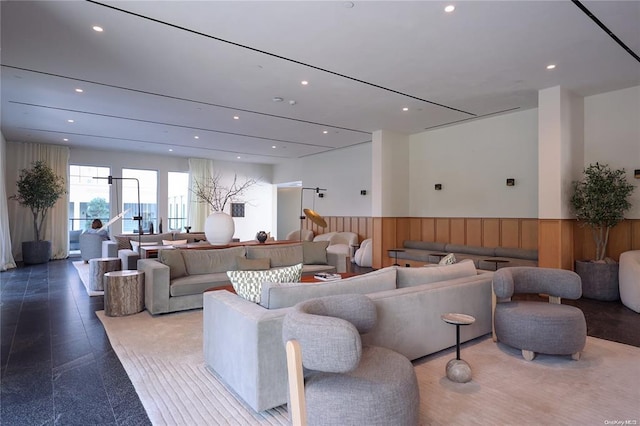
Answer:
(458, 231)
(340, 224)
(490, 232)
(428, 225)
(415, 228)
(567, 259)
(388, 239)
(376, 224)
(529, 234)
(474, 232)
(363, 228)
(548, 244)
(619, 240)
(403, 231)
(443, 233)
(369, 224)
(510, 233)
(635, 234)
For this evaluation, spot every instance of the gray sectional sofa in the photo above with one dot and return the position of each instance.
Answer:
(176, 280)
(243, 340)
(425, 251)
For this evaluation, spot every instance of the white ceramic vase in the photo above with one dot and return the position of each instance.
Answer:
(219, 228)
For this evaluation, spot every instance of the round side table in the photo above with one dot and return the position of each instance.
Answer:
(100, 266)
(458, 370)
(123, 293)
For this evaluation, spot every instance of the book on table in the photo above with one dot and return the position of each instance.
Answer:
(325, 276)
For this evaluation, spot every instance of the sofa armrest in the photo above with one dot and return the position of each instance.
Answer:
(338, 261)
(109, 249)
(129, 259)
(243, 345)
(156, 285)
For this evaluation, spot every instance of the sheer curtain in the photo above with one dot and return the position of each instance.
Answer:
(199, 170)
(6, 258)
(56, 227)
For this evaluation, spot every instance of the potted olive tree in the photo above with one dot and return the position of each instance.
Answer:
(599, 201)
(38, 189)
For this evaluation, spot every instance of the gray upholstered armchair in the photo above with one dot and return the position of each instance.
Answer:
(533, 326)
(90, 246)
(344, 382)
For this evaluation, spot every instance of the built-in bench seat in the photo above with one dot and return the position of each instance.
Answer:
(432, 252)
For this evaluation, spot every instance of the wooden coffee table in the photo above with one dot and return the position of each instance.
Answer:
(304, 279)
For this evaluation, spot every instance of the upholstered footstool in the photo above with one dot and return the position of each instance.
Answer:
(536, 327)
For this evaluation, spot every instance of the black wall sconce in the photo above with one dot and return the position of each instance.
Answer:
(511, 182)
(321, 195)
(636, 173)
(363, 192)
(438, 187)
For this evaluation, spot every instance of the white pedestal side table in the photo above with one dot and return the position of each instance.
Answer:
(100, 266)
(123, 293)
(458, 370)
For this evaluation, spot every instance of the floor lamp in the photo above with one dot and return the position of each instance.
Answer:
(110, 180)
(310, 214)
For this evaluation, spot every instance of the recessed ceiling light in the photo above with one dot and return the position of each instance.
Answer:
(196, 137)
(170, 149)
(273, 146)
(277, 99)
(70, 121)
(97, 29)
(238, 157)
(551, 66)
(450, 8)
(304, 82)
(79, 90)
(235, 117)
(325, 131)
(405, 109)
(66, 139)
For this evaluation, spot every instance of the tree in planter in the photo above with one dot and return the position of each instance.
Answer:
(39, 188)
(599, 201)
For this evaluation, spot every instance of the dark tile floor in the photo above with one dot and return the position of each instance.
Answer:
(57, 366)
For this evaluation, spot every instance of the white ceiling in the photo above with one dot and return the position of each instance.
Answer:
(163, 72)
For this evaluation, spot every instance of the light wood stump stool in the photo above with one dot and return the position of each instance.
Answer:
(100, 266)
(123, 293)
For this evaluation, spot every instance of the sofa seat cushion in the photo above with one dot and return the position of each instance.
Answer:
(424, 245)
(196, 284)
(409, 277)
(286, 294)
(211, 261)
(248, 284)
(413, 254)
(279, 254)
(474, 250)
(517, 253)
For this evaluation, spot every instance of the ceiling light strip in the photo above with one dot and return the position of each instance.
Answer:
(605, 29)
(472, 118)
(377, 86)
(144, 92)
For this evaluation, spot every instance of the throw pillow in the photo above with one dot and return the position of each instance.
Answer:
(174, 260)
(314, 252)
(245, 264)
(123, 242)
(449, 259)
(248, 284)
(174, 242)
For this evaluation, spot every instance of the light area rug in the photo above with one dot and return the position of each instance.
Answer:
(163, 357)
(83, 272)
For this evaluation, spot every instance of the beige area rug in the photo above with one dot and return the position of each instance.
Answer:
(163, 357)
(83, 272)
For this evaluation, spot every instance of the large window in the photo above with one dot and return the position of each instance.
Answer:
(88, 197)
(178, 196)
(148, 199)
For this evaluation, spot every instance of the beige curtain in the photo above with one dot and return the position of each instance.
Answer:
(6, 258)
(56, 227)
(199, 170)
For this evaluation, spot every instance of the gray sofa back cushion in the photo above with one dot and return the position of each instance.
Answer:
(280, 254)
(517, 253)
(424, 245)
(211, 261)
(174, 260)
(283, 295)
(409, 277)
(480, 251)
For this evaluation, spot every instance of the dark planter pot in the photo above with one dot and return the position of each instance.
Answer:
(261, 236)
(34, 252)
(599, 280)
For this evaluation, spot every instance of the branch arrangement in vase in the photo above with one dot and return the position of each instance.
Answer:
(213, 192)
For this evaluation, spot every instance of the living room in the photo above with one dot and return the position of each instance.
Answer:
(543, 147)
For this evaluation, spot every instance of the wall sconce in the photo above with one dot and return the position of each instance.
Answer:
(363, 192)
(438, 187)
(321, 195)
(636, 173)
(511, 182)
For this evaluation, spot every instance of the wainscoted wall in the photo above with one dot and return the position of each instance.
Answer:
(527, 233)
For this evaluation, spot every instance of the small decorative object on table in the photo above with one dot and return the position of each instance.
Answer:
(325, 276)
(261, 236)
(187, 228)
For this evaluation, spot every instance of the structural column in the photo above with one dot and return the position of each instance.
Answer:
(560, 162)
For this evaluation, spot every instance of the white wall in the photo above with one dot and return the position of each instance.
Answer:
(612, 135)
(472, 162)
(390, 174)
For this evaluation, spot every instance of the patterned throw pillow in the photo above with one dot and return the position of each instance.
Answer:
(248, 284)
(449, 259)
